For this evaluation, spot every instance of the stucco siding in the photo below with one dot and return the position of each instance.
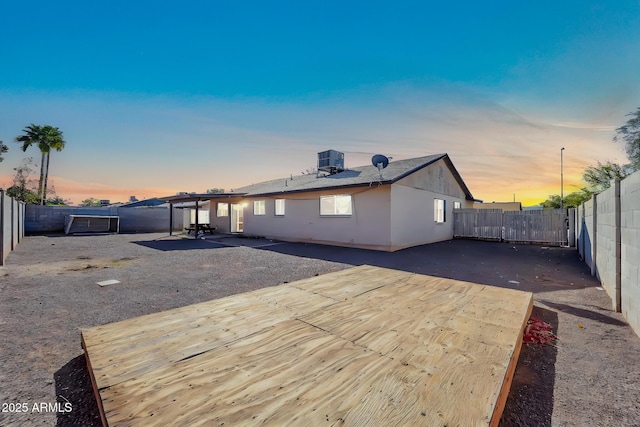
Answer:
(412, 217)
(368, 226)
(223, 223)
(437, 178)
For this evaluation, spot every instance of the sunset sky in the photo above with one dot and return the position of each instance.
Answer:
(160, 97)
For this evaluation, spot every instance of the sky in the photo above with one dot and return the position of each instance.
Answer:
(155, 98)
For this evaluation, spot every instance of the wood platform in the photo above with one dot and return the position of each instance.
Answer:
(360, 347)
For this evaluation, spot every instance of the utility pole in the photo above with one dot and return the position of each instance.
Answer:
(561, 180)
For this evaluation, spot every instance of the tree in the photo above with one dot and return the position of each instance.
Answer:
(630, 135)
(215, 190)
(3, 149)
(553, 202)
(600, 177)
(57, 201)
(23, 188)
(46, 138)
(572, 200)
(577, 198)
(90, 202)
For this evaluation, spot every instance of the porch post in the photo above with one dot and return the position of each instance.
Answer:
(170, 219)
(196, 230)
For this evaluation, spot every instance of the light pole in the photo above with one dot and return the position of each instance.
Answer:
(561, 180)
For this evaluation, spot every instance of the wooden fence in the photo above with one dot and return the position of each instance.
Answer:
(484, 224)
(544, 226)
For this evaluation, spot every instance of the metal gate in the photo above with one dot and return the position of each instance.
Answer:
(543, 226)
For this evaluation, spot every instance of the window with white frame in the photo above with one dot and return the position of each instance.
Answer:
(203, 216)
(457, 205)
(339, 204)
(439, 210)
(223, 209)
(279, 211)
(258, 207)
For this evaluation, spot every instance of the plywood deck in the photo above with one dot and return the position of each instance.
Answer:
(360, 347)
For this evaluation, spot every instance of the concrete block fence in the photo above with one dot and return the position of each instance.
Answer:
(608, 240)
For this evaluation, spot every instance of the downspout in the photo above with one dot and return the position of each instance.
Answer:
(618, 212)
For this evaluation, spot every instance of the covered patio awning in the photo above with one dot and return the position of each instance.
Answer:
(194, 198)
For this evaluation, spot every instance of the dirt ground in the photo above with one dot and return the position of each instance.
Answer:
(49, 291)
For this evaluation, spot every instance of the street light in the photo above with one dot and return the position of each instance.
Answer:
(561, 181)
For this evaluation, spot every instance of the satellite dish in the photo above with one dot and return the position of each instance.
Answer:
(380, 159)
(380, 162)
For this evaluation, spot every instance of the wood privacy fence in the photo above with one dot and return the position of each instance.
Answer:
(544, 226)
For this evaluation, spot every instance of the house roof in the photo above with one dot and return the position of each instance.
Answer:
(197, 197)
(356, 177)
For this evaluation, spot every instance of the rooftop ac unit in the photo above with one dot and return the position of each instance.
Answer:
(331, 161)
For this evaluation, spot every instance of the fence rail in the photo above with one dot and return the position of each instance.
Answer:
(544, 226)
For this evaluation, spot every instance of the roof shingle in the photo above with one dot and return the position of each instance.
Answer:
(359, 176)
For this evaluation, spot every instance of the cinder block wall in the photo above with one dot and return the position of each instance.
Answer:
(630, 244)
(11, 224)
(5, 226)
(606, 241)
(609, 242)
(50, 219)
(586, 233)
(148, 219)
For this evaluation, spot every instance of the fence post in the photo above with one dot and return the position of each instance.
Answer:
(594, 241)
(1, 227)
(572, 228)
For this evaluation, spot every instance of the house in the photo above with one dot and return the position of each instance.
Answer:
(408, 203)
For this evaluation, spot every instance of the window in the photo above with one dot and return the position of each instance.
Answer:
(279, 207)
(203, 216)
(439, 210)
(223, 209)
(456, 205)
(258, 207)
(339, 204)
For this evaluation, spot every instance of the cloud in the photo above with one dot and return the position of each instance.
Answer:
(120, 145)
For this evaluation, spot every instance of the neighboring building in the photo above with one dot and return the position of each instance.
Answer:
(409, 203)
(505, 206)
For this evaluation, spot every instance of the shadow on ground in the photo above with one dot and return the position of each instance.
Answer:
(73, 385)
(586, 314)
(524, 267)
(180, 244)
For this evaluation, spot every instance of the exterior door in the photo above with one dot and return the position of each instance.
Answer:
(237, 218)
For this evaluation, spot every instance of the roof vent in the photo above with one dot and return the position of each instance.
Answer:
(331, 161)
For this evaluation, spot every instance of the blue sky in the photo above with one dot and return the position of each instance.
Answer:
(160, 97)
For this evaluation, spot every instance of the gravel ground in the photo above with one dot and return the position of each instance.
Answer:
(48, 291)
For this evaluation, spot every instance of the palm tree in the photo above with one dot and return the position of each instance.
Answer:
(46, 137)
(56, 142)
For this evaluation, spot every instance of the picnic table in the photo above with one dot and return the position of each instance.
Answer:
(202, 228)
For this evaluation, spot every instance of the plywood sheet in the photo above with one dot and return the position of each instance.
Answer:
(364, 346)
